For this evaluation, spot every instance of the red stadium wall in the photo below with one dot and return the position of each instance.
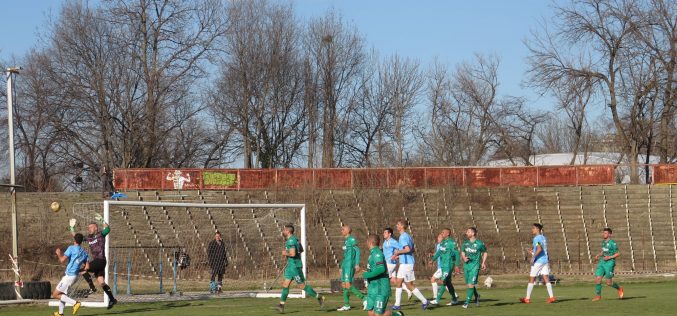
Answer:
(248, 179)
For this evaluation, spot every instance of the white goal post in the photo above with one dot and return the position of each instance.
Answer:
(108, 204)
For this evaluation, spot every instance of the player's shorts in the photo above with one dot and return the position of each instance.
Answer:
(605, 268)
(441, 274)
(471, 274)
(377, 303)
(378, 294)
(347, 274)
(97, 267)
(294, 273)
(406, 272)
(392, 269)
(66, 283)
(437, 274)
(539, 269)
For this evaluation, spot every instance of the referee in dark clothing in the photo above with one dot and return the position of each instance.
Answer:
(217, 259)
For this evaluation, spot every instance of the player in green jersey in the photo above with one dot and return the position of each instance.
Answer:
(605, 267)
(474, 255)
(448, 258)
(293, 271)
(378, 291)
(350, 265)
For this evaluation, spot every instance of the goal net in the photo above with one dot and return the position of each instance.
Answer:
(161, 250)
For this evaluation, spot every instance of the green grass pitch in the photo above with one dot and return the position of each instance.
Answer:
(640, 299)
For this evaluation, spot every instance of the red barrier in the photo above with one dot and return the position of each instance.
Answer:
(586, 175)
(406, 177)
(333, 178)
(437, 177)
(294, 178)
(483, 177)
(664, 174)
(556, 176)
(257, 178)
(370, 178)
(252, 179)
(519, 176)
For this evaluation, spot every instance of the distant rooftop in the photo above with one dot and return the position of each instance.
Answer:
(558, 159)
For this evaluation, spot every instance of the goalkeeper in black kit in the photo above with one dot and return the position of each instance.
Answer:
(97, 246)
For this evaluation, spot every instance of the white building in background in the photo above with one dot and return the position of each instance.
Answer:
(591, 158)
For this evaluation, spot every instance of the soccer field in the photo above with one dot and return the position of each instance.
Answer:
(640, 299)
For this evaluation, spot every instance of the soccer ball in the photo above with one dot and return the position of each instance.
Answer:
(55, 206)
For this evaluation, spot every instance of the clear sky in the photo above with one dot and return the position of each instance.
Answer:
(450, 30)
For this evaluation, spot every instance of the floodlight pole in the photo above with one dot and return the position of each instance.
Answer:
(12, 176)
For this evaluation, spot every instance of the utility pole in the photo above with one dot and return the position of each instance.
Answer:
(12, 178)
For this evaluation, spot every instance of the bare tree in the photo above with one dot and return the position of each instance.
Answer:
(404, 81)
(515, 129)
(336, 52)
(36, 137)
(167, 44)
(371, 114)
(470, 123)
(261, 90)
(655, 28)
(475, 100)
(600, 37)
(123, 74)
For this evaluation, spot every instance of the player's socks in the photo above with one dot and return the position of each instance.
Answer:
(405, 288)
(615, 285)
(477, 296)
(435, 287)
(438, 297)
(598, 289)
(67, 300)
(285, 293)
(108, 292)
(548, 286)
(346, 297)
(419, 295)
(62, 305)
(468, 295)
(530, 288)
(88, 278)
(398, 296)
(451, 289)
(357, 292)
(320, 299)
(310, 291)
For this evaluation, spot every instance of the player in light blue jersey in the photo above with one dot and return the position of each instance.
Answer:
(76, 257)
(390, 245)
(539, 264)
(405, 272)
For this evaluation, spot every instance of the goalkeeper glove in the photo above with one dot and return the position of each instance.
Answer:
(98, 218)
(72, 224)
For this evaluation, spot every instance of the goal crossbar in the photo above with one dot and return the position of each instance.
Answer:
(106, 216)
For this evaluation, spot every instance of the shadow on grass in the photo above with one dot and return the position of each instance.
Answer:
(632, 298)
(571, 299)
(151, 308)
